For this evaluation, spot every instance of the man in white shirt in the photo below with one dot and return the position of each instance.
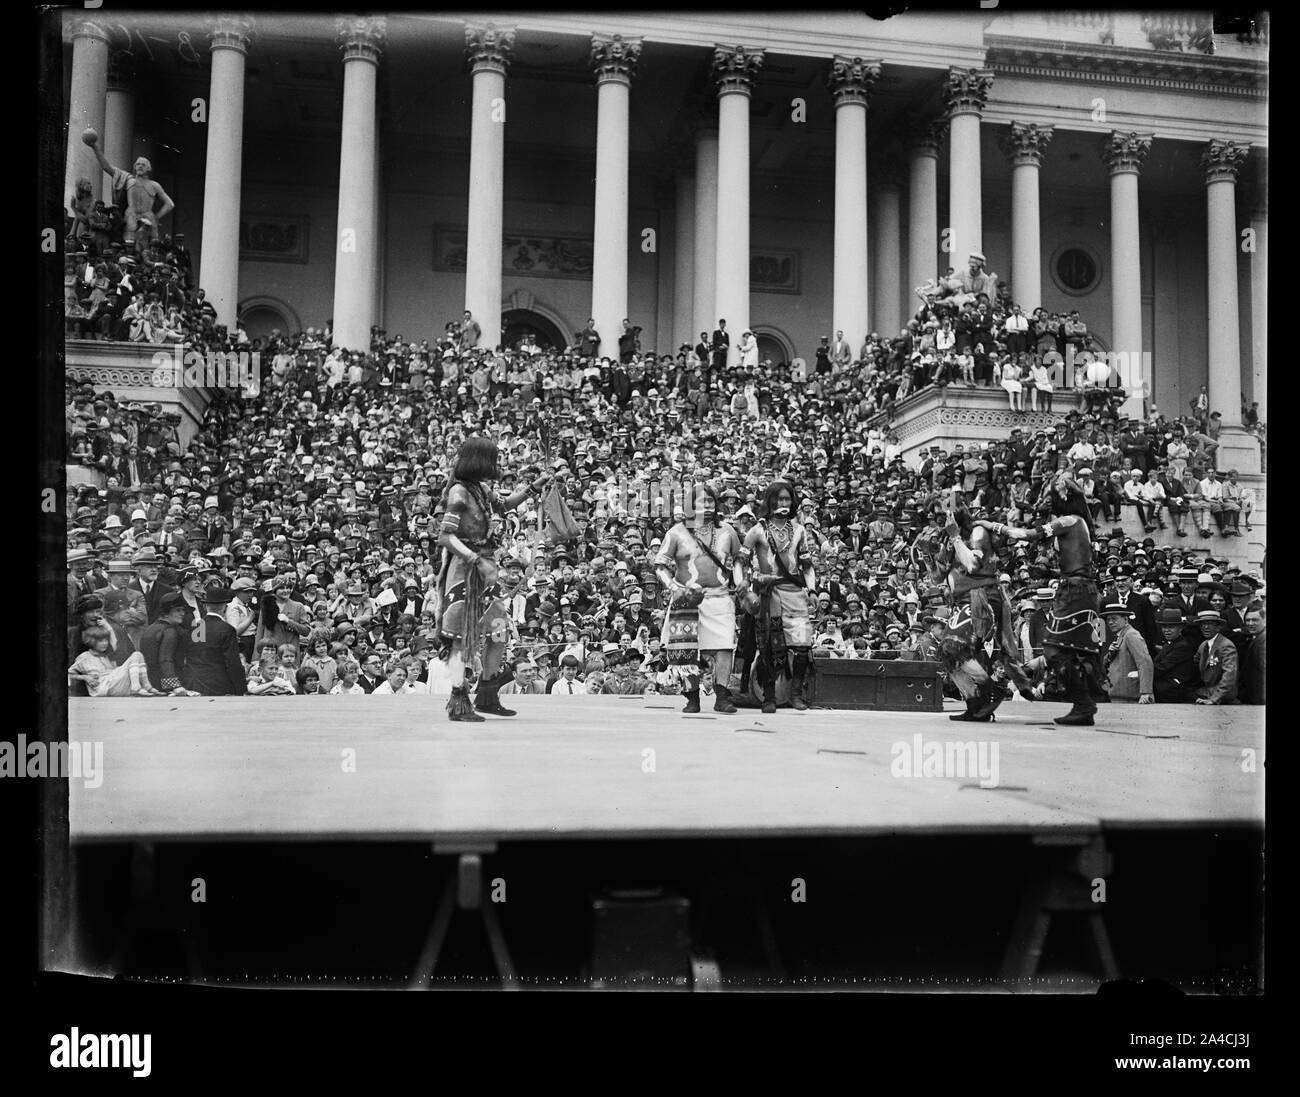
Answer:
(567, 684)
(1212, 493)
(1133, 494)
(1082, 453)
(1017, 328)
(1153, 493)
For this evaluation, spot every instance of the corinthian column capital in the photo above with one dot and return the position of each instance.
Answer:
(1125, 152)
(230, 32)
(965, 91)
(851, 79)
(614, 58)
(1223, 160)
(1026, 143)
(488, 46)
(361, 37)
(735, 68)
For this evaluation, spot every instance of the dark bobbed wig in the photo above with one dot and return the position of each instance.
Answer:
(476, 461)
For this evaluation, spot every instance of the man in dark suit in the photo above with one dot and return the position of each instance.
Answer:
(1234, 616)
(372, 673)
(212, 666)
(1175, 674)
(1144, 613)
(1189, 601)
(587, 342)
(1253, 666)
(704, 349)
(1134, 443)
(146, 565)
(629, 342)
(720, 345)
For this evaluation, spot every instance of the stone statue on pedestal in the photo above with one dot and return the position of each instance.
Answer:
(142, 196)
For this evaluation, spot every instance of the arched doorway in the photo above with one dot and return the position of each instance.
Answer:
(516, 323)
(774, 346)
(262, 315)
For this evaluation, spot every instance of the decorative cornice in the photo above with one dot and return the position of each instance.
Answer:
(1025, 143)
(1125, 152)
(489, 47)
(614, 58)
(851, 79)
(1187, 73)
(1223, 160)
(230, 32)
(361, 37)
(966, 91)
(735, 68)
(925, 135)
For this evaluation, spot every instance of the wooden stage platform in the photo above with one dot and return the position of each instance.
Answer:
(609, 769)
(247, 768)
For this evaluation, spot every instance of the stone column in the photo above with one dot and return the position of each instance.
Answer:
(613, 60)
(119, 114)
(1259, 308)
(356, 248)
(1222, 161)
(887, 191)
(684, 262)
(923, 207)
(705, 310)
(230, 36)
(850, 83)
(1024, 147)
(734, 70)
(86, 107)
(488, 48)
(965, 93)
(1124, 154)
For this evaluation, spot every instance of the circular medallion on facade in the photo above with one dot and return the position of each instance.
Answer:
(1076, 270)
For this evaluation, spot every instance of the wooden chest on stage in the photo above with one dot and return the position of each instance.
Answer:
(891, 684)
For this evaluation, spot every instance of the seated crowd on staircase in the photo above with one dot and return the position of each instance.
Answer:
(314, 502)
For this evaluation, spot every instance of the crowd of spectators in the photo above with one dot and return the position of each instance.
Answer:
(314, 501)
(142, 292)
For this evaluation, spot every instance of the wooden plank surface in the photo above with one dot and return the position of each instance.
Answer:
(263, 768)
